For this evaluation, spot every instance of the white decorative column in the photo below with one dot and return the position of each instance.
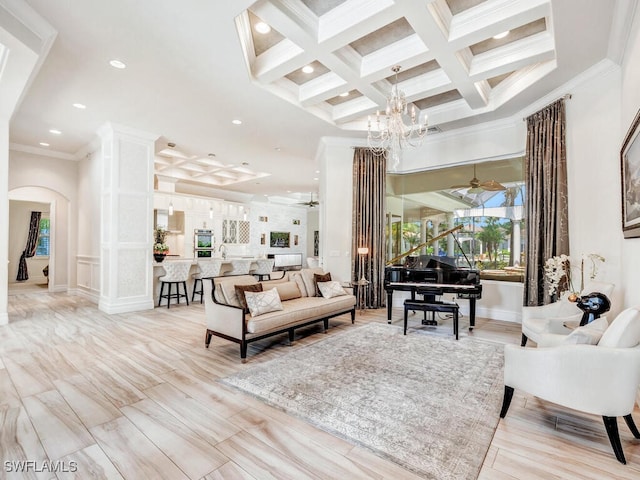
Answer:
(516, 242)
(126, 239)
(450, 240)
(436, 231)
(424, 230)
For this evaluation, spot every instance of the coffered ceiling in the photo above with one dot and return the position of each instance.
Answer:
(459, 58)
(194, 66)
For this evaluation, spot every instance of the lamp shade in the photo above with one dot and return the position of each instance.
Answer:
(363, 250)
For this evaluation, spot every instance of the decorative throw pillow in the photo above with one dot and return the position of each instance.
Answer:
(242, 289)
(325, 277)
(260, 303)
(331, 289)
(589, 334)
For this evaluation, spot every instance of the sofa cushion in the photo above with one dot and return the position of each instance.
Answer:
(323, 277)
(624, 331)
(260, 303)
(240, 291)
(589, 334)
(299, 281)
(331, 289)
(288, 290)
(299, 310)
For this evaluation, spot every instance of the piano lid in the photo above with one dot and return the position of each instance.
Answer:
(421, 262)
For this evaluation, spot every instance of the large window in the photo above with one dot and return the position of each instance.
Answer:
(42, 249)
(483, 202)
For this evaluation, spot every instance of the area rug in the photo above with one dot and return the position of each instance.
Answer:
(430, 404)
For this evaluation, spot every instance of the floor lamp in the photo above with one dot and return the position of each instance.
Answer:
(362, 283)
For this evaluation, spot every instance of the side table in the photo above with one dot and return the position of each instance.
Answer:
(361, 287)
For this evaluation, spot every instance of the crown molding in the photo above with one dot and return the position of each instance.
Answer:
(42, 152)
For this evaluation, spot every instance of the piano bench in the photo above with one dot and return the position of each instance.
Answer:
(422, 306)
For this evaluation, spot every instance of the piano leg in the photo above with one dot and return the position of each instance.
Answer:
(389, 304)
(472, 313)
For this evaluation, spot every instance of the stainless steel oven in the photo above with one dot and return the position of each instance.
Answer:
(203, 241)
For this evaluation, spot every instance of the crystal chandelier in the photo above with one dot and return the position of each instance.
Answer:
(392, 134)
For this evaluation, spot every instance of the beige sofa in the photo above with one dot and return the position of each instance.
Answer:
(227, 319)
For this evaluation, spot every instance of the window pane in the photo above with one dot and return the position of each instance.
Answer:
(485, 201)
(42, 249)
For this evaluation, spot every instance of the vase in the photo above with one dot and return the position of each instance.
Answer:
(159, 257)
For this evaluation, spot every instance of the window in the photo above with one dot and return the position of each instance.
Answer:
(483, 201)
(42, 249)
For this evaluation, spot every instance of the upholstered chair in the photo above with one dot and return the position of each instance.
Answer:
(600, 378)
(176, 273)
(239, 267)
(207, 269)
(264, 267)
(545, 324)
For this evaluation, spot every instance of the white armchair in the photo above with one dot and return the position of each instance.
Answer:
(600, 379)
(545, 324)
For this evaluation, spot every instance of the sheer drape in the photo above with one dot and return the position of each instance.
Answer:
(369, 192)
(30, 249)
(546, 212)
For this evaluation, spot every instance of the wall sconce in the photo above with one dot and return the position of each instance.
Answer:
(210, 212)
(170, 208)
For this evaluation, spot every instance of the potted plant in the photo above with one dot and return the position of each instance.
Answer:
(160, 248)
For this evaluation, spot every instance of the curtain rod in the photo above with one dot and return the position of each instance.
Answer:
(566, 96)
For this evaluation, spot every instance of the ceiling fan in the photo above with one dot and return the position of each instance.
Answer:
(311, 203)
(476, 186)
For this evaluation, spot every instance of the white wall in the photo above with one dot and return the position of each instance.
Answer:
(630, 93)
(336, 187)
(593, 124)
(87, 261)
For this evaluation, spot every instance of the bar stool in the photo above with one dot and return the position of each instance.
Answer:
(176, 273)
(239, 267)
(207, 269)
(263, 269)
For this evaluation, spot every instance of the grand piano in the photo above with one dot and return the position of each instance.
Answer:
(431, 276)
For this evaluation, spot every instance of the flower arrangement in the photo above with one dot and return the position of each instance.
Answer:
(557, 272)
(160, 236)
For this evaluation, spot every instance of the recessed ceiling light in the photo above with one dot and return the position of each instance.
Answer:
(236, 122)
(501, 35)
(307, 69)
(117, 64)
(315, 178)
(55, 131)
(344, 94)
(317, 171)
(81, 106)
(44, 144)
(262, 27)
(277, 149)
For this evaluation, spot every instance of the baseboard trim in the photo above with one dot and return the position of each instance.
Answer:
(125, 306)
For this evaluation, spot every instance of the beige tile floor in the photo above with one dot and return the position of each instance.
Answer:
(134, 396)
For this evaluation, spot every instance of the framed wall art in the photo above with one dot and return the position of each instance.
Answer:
(630, 169)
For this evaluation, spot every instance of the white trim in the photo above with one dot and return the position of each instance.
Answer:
(125, 306)
(44, 152)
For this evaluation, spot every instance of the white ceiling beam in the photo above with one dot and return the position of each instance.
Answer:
(493, 17)
(513, 56)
